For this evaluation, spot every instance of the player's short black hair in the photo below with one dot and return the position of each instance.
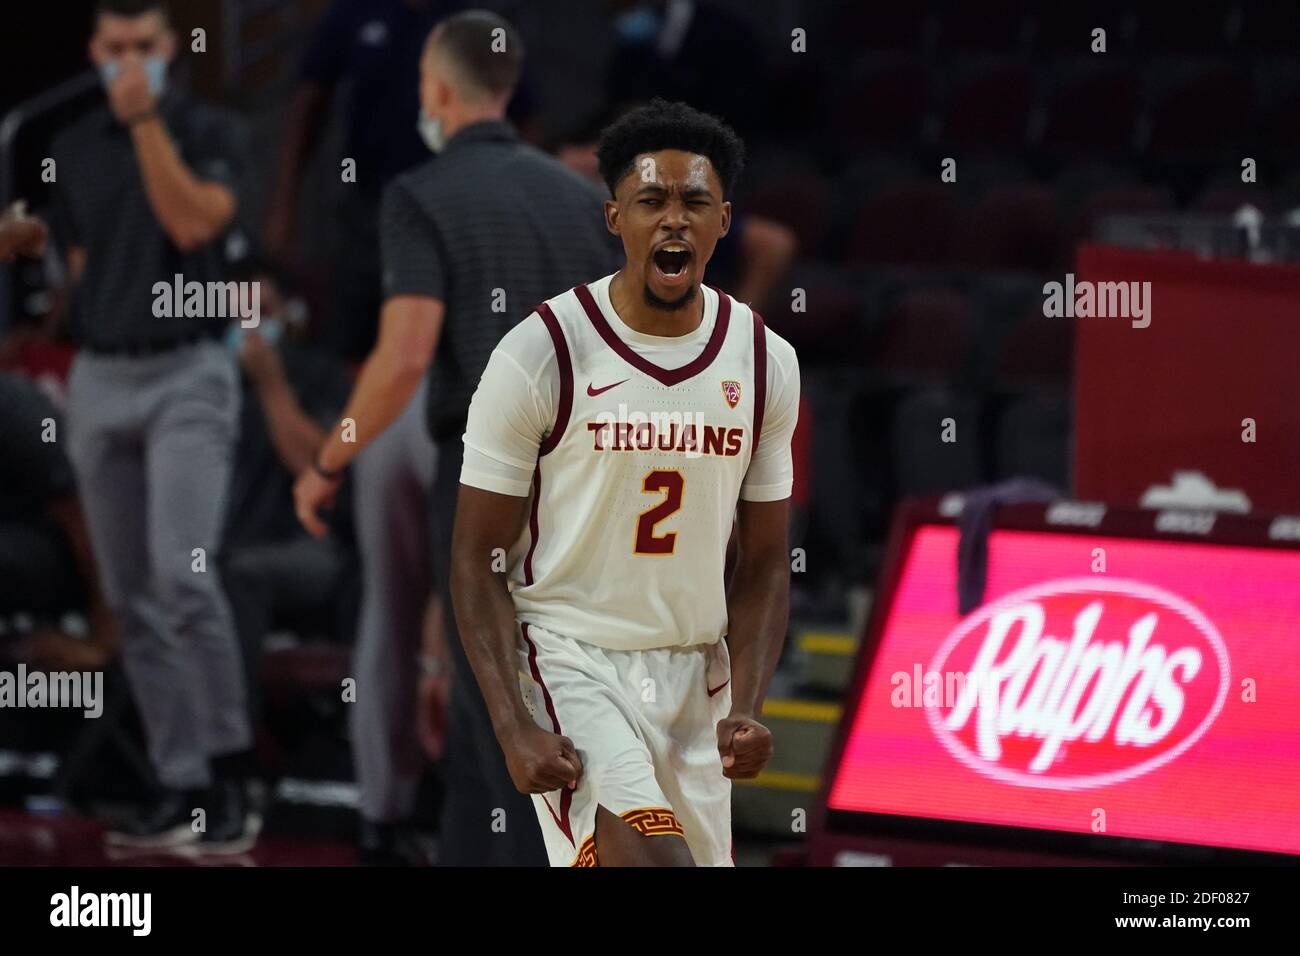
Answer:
(662, 125)
(131, 8)
(489, 60)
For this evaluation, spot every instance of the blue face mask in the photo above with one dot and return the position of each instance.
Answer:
(155, 68)
(640, 25)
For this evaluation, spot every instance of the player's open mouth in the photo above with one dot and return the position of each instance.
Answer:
(671, 260)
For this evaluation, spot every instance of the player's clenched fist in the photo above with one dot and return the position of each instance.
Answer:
(540, 761)
(745, 746)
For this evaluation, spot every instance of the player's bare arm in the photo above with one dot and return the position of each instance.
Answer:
(757, 608)
(538, 760)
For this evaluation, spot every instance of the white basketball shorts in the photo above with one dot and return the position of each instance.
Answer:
(644, 724)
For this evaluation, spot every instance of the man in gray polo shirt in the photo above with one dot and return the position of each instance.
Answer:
(145, 187)
(471, 242)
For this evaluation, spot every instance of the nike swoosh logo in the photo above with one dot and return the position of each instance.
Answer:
(720, 686)
(593, 392)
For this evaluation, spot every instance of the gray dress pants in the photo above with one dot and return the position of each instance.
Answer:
(392, 482)
(152, 442)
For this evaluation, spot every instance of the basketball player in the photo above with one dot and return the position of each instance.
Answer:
(616, 435)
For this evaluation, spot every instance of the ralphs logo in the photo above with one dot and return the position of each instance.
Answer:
(1080, 683)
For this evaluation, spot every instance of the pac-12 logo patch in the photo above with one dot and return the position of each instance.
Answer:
(731, 392)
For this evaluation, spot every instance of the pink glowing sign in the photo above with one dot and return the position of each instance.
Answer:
(1157, 699)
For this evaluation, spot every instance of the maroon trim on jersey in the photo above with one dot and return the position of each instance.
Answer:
(665, 376)
(760, 379)
(566, 379)
(566, 795)
(532, 523)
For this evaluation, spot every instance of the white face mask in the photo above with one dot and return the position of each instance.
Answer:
(431, 132)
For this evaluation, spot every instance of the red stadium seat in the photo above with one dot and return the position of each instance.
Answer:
(921, 461)
(989, 106)
(1067, 27)
(1269, 28)
(295, 672)
(883, 103)
(1013, 227)
(1038, 350)
(990, 26)
(1174, 26)
(831, 322)
(883, 27)
(924, 337)
(908, 223)
(1199, 114)
(1093, 111)
(801, 200)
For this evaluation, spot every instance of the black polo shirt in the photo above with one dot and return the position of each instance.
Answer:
(493, 228)
(100, 205)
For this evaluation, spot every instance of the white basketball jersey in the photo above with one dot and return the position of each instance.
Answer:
(635, 487)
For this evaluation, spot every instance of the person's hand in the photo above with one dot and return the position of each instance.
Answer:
(21, 234)
(261, 360)
(745, 746)
(129, 95)
(311, 492)
(540, 761)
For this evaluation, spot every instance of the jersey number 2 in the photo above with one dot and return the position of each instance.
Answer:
(647, 542)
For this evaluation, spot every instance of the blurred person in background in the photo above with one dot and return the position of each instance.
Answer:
(391, 487)
(471, 242)
(47, 568)
(373, 48)
(21, 234)
(690, 50)
(275, 574)
(146, 187)
(27, 345)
